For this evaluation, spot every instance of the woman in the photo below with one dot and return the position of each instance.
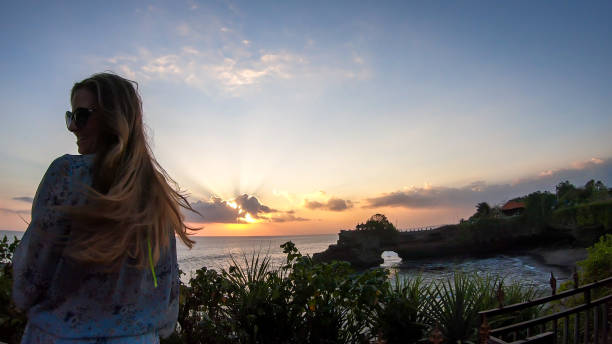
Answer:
(98, 260)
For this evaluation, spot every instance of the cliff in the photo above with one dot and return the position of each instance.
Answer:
(363, 248)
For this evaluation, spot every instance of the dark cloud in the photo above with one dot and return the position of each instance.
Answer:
(578, 174)
(214, 211)
(252, 205)
(314, 205)
(287, 217)
(333, 204)
(13, 211)
(219, 211)
(24, 199)
(430, 197)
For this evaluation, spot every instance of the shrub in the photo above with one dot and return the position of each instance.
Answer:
(453, 304)
(401, 317)
(306, 302)
(583, 215)
(12, 322)
(598, 264)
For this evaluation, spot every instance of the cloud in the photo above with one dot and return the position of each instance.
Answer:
(224, 61)
(469, 195)
(427, 197)
(226, 71)
(24, 199)
(217, 210)
(163, 65)
(13, 211)
(252, 205)
(287, 217)
(222, 58)
(214, 211)
(591, 163)
(333, 204)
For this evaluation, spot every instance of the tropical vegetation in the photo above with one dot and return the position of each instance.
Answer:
(304, 301)
(308, 302)
(590, 205)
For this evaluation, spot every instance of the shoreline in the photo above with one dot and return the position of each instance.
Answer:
(562, 258)
(561, 261)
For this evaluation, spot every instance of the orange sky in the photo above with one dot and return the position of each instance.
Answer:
(323, 114)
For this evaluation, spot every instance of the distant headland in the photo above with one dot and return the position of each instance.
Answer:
(572, 217)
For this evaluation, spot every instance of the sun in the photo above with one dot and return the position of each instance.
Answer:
(243, 214)
(248, 218)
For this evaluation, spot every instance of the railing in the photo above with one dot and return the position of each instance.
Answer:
(599, 323)
(420, 229)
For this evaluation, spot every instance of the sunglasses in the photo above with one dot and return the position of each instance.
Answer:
(79, 117)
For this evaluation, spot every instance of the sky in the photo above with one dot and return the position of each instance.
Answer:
(291, 118)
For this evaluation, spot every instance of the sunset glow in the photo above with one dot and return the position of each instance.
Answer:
(332, 112)
(248, 218)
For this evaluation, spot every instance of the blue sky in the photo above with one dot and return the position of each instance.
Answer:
(292, 103)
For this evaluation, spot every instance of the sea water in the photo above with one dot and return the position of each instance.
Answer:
(217, 253)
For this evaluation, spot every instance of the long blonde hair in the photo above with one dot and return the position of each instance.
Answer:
(130, 199)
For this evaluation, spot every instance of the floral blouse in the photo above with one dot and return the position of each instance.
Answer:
(65, 300)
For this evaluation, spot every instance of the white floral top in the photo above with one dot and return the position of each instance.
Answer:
(65, 300)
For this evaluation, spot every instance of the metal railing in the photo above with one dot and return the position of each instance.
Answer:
(594, 330)
(420, 229)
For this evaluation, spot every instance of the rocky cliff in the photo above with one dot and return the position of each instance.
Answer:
(363, 249)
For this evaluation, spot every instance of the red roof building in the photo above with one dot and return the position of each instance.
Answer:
(513, 208)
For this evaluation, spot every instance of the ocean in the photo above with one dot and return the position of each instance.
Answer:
(216, 252)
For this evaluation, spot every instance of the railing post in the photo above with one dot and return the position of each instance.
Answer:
(596, 324)
(484, 331)
(566, 330)
(586, 326)
(500, 295)
(587, 301)
(576, 324)
(587, 296)
(575, 277)
(606, 316)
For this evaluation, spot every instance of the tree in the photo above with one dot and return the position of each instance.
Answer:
(496, 211)
(377, 222)
(564, 189)
(483, 209)
(589, 190)
(601, 191)
(539, 205)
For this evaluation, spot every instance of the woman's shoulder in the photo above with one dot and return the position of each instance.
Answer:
(64, 175)
(67, 161)
(69, 165)
(74, 159)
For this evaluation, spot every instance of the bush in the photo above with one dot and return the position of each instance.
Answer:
(302, 302)
(539, 206)
(306, 302)
(12, 322)
(598, 264)
(401, 317)
(453, 304)
(583, 215)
